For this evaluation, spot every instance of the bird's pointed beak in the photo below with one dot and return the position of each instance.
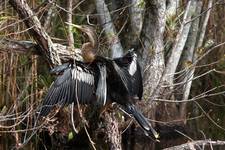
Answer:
(74, 25)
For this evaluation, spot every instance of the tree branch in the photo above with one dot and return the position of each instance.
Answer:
(24, 47)
(48, 19)
(70, 21)
(179, 43)
(193, 144)
(38, 33)
(109, 28)
(193, 54)
(188, 57)
(9, 46)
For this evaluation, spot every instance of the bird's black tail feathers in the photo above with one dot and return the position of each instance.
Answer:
(141, 120)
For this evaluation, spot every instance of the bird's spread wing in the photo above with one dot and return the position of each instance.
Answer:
(124, 77)
(130, 67)
(61, 68)
(74, 85)
(101, 91)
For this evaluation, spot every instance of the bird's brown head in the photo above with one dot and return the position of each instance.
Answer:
(89, 49)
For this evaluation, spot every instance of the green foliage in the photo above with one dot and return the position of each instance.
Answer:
(77, 37)
(141, 4)
(24, 60)
(4, 18)
(45, 80)
(70, 136)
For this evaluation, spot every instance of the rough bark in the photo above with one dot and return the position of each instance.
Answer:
(192, 56)
(50, 50)
(109, 29)
(168, 112)
(171, 7)
(152, 54)
(48, 22)
(152, 60)
(179, 44)
(158, 80)
(152, 42)
(36, 30)
(112, 130)
(136, 21)
(188, 58)
(28, 47)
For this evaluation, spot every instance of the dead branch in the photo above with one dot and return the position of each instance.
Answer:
(9, 46)
(70, 20)
(48, 48)
(204, 25)
(38, 33)
(189, 145)
(26, 47)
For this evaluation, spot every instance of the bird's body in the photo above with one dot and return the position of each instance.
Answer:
(104, 80)
(87, 53)
(92, 83)
(99, 80)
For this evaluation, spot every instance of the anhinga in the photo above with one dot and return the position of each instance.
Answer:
(99, 80)
(89, 49)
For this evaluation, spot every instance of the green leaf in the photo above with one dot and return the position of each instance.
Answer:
(70, 136)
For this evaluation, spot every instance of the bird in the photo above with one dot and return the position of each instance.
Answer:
(99, 80)
(88, 49)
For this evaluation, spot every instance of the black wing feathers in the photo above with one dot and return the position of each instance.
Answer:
(132, 72)
(137, 85)
(101, 91)
(60, 68)
(142, 121)
(74, 84)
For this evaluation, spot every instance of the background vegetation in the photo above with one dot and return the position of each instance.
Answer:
(181, 50)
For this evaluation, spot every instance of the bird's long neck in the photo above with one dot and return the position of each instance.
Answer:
(88, 52)
(89, 48)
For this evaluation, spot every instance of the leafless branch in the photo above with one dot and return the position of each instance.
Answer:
(188, 56)
(28, 47)
(204, 25)
(70, 21)
(216, 124)
(200, 96)
(188, 145)
(38, 33)
(205, 11)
